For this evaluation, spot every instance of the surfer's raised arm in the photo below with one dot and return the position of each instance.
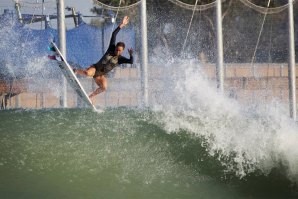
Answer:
(124, 22)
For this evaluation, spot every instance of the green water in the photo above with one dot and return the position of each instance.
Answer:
(121, 153)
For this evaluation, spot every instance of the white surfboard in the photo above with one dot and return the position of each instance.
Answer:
(72, 78)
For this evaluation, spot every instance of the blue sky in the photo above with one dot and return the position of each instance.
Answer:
(35, 6)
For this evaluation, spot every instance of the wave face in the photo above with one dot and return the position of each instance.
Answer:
(124, 153)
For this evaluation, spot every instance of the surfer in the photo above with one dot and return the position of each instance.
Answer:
(108, 62)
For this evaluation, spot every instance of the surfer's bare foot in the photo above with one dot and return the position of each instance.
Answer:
(74, 70)
(91, 96)
(96, 92)
(91, 99)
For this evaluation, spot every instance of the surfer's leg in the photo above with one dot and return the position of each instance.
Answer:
(87, 72)
(102, 83)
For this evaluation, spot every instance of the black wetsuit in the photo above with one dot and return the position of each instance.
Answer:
(109, 60)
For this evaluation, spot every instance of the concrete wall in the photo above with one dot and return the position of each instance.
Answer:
(123, 90)
(263, 82)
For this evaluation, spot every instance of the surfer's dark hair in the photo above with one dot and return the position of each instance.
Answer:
(121, 44)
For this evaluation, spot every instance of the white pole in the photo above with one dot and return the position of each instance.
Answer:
(62, 45)
(292, 73)
(144, 56)
(219, 65)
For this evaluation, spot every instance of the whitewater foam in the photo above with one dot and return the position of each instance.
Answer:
(245, 138)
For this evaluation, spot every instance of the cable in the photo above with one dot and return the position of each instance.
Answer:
(26, 2)
(38, 6)
(193, 13)
(117, 8)
(33, 3)
(265, 10)
(194, 7)
(260, 33)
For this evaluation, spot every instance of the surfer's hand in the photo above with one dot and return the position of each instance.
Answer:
(125, 21)
(130, 51)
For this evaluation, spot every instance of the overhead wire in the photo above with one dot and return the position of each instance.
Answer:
(33, 4)
(265, 10)
(245, 2)
(27, 2)
(194, 7)
(119, 8)
(189, 26)
(260, 33)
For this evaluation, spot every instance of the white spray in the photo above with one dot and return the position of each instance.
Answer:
(244, 138)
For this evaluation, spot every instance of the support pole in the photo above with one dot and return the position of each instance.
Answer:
(2, 100)
(74, 15)
(144, 56)
(47, 22)
(219, 65)
(17, 6)
(42, 13)
(292, 72)
(62, 45)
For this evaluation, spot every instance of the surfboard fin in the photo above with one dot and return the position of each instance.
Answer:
(52, 57)
(51, 48)
(55, 57)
